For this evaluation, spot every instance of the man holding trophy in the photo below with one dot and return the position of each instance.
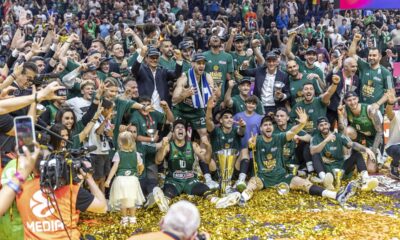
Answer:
(182, 178)
(268, 148)
(328, 151)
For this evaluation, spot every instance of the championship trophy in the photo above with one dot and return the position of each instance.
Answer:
(40, 109)
(338, 174)
(299, 29)
(226, 163)
(282, 188)
(151, 132)
(292, 168)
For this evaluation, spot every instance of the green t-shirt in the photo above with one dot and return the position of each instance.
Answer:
(296, 88)
(218, 66)
(148, 152)
(269, 155)
(132, 59)
(374, 82)
(314, 110)
(167, 64)
(221, 140)
(145, 122)
(127, 164)
(186, 65)
(239, 105)
(361, 123)
(305, 70)
(121, 107)
(333, 150)
(181, 161)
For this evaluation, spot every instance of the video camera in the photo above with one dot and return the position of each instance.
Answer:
(62, 168)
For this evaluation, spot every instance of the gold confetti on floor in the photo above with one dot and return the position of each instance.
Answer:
(272, 216)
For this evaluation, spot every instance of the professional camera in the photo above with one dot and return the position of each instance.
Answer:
(62, 168)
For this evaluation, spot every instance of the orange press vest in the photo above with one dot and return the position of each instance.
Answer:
(41, 218)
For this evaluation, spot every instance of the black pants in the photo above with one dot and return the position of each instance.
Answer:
(199, 189)
(332, 117)
(394, 152)
(303, 153)
(356, 159)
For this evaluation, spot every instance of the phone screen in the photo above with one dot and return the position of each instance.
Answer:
(24, 133)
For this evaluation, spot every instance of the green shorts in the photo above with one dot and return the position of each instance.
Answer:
(340, 165)
(369, 140)
(196, 118)
(182, 186)
(272, 181)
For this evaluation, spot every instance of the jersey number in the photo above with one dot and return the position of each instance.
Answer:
(182, 163)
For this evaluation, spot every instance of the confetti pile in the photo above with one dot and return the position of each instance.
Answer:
(269, 215)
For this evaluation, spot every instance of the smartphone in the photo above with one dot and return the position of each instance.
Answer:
(62, 92)
(24, 133)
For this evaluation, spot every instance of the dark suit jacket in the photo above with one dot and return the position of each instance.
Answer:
(145, 80)
(335, 99)
(259, 74)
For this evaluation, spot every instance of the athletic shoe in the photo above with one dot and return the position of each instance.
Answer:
(246, 195)
(212, 184)
(345, 193)
(132, 220)
(369, 184)
(394, 172)
(328, 181)
(151, 202)
(124, 221)
(240, 185)
(230, 200)
(160, 199)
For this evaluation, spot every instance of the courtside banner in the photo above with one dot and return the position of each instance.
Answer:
(369, 4)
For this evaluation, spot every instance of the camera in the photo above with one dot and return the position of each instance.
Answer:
(62, 92)
(62, 168)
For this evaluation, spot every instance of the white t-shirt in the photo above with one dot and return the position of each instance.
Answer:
(100, 141)
(79, 105)
(394, 132)
(267, 90)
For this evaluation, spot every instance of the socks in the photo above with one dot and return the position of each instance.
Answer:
(242, 177)
(310, 167)
(204, 167)
(316, 190)
(364, 174)
(322, 175)
(329, 194)
(207, 177)
(244, 166)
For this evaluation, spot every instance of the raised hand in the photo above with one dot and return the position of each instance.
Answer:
(340, 110)
(357, 37)
(252, 141)
(143, 51)
(302, 116)
(178, 55)
(335, 79)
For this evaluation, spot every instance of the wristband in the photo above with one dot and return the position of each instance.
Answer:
(14, 187)
(19, 176)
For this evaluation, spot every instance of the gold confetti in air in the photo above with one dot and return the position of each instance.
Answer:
(270, 215)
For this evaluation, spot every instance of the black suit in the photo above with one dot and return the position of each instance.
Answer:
(145, 80)
(335, 99)
(259, 74)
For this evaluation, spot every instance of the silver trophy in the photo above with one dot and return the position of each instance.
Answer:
(40, 109)
(282, 188)
(299, 29)
(151, 132)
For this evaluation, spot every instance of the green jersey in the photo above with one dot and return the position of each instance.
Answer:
(269, 155)
(374, 82)
(333, 152)
(181, 161)
(53, 111)
(186, 65)
(315, 109)
(132, 59)
(305, 70)
(147, 152)
(362, 123)
(218, 66)
(168, 64)
(239, 105)
(296, 88)
(127, 164)
(288, 153)
(221, 140)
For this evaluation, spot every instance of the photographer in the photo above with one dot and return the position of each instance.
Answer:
(180, 223)
(54, 214)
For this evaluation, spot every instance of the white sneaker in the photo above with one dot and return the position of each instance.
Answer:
(124, 221)
(369, 184)
(230, 200)
(328, 182)
(212, 184)
(240, 185)
(132, 220)
(160, 199)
